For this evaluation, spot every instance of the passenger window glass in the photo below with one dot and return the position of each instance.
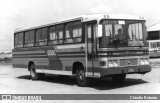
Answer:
(60, 35)
(19, 40)
(38, 35)
(32, 36)
(89, 31)
(44, 34)
(52, 33)
(26, 37)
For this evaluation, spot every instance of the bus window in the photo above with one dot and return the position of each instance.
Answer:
(21, 38)
(136, 30)
(44, 36)
(41, 37)
(26, 36)
(29, 38)
(52, 35)
(158, 44)
(38, 37)
(59, 34)
(68, 33)
(89, 33)
(77, 31)
(153, 45)
(56, 34)
(106, 38)
(18, 40)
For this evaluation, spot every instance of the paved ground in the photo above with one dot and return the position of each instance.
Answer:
(19, 82)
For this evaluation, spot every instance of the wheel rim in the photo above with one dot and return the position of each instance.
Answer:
(33, 71)
(81, 76)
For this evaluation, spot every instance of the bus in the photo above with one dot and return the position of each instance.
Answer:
(153, 42)
(84, 47)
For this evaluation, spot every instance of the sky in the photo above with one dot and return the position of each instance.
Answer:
(16, 14)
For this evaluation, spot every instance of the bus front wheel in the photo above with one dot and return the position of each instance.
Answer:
(82, 80)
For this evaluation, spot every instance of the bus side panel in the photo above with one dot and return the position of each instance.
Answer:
(50, 59)
(54, 63)
(21, 58)
(69, 54)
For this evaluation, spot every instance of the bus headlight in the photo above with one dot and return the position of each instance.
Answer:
(144, 61)
(110, 63)
(115, 64)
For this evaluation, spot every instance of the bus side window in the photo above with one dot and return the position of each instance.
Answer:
(77, 32)
(16, 40)
(38, 37)
(73, 32)
(31, 38)
(89, 33)
(26, 36)
(52, 35)
(158, 44)
(44, 36)
(19, 40)
(41, 36)
(59, 34)
(68, 33)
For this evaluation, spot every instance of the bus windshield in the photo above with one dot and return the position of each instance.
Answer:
(122, 33)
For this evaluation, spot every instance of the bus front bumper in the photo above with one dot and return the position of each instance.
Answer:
(124, 70)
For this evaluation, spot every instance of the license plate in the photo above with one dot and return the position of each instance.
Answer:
(130, 70)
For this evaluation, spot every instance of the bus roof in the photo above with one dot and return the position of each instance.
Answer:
(89, 17)
(155, 27)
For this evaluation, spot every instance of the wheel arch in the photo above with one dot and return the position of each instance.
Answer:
(75, 66)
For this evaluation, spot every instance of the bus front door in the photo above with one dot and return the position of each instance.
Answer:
(91, 48)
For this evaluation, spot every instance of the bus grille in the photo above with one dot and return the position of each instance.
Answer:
(128, 62)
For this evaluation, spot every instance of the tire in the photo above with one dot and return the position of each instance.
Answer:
(33, 74)
(119, 78)
(82, 80)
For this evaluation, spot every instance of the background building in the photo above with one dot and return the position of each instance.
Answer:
(5, 56)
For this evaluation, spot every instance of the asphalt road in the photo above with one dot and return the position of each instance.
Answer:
(19, 82)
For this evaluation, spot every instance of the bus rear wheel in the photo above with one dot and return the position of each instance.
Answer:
(119, 78)
(34, 75)
(82, 80)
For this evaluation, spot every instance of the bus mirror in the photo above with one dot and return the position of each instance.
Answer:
(99, 30)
